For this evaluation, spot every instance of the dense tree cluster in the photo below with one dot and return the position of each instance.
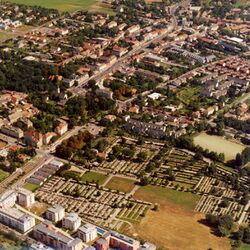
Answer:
(25, 76)
(76, 143)
(223, 224)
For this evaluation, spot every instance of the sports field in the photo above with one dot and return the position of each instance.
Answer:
(68, 5)
(218, 144)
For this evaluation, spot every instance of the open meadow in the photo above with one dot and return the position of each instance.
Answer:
(68, 5)
(121, 184)
(218, 144)
(174, 226)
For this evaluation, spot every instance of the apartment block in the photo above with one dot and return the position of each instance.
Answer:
(16, 219)
(55, 213)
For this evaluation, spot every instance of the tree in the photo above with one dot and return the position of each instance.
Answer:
(225, 225)
(142, 156)
(144, 181)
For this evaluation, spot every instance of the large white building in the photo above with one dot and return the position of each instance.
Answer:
(8, 199)
(16, 219)
(87, 233)
(55, 213)
(72, 222)
(25, 197)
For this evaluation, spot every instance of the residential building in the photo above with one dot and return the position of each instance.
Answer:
(61, 128)
(12, 131)
(87, 233)
(25, 197)
(147, 246)
(102, 244)
(116, 240)
(33, 138)
(49, 235)
(8, 199)
(16, 219)
(55, 213)
(72, 222)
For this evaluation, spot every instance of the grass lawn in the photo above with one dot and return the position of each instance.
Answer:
(31, 187)
(245, 246)
(68, 5)
(182, 184)
(187, 94)
(8, 34)
(94, 177)
(159, 194)
(121, 184)
(174, 226)
(218, 144)
(3, 175)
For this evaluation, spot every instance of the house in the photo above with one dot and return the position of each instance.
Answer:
(112, 24)
(133, 29)
(134, 109)
(55, 213)
(104, 93)
(47, 137)
(71, 221)
(33, 138)
(146, 129)
(154, 96)
(61, 128)
(87, 233)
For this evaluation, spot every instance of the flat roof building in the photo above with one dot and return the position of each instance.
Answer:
(72, 222)
(48, 234)
(87, 233)
(16, 219)
(55, 213)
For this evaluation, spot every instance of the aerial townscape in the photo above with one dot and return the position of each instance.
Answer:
(125, 124)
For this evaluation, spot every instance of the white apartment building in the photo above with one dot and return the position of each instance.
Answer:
(55, 213)
(16, 219)
(25, 197)
(72, 221)
(87, 233)
(8, 199)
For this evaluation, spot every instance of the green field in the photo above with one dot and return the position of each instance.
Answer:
(68, 5)
(218, 144)
(186, 95)
(121, 184)
(158, 194)
(3, 175)
(245, 247)
(31, 187)
(94, 177)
